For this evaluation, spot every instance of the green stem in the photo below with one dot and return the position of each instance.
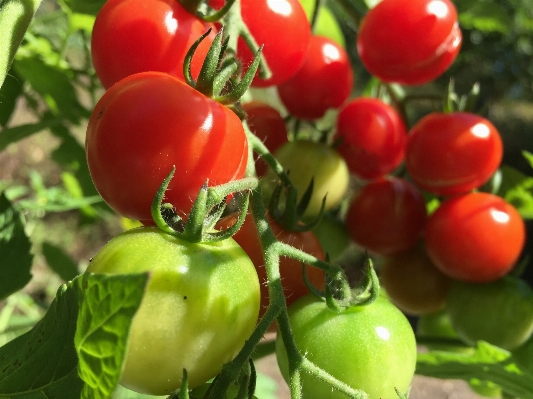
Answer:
(258, 147)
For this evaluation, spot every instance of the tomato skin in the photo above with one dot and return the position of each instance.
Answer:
(267, 124)
(146, 124)
(370, 347)
(421, 40)
(308, 160)
(475, 237)
(290, 269)
(207, 287)
(387, 216)
(413, 283)
(131, 36)
(271, 23)
(324, 81)
(452, 153)
(499, 312)
(372, 136)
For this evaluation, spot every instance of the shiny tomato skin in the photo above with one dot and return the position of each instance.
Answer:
(499, 312)
(475, 237)
(371, 347)
(420, 40)
(372, 137)
(387, 216)
(200, 306)
(413, 282)
(324, 81)
(452, 153)
(148, 123)
(290, 269)
(267, 124)
(282, 27)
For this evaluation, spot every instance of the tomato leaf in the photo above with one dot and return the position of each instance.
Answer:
(486, 363)
(517, 189)
(486, 17)
(9, 92)
(85, 6)
(104, 319)
(16, 133)
(59, 261)
(16, 258)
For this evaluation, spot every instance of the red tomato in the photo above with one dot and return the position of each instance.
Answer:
(131, 36)
(283, 28)
(267, 124)
(372, 136)
(452, 153)
(324, 81)
(387, 216)
(149, 122)
(409, 41)
(475, 237)
(290, 269)
(413, 283)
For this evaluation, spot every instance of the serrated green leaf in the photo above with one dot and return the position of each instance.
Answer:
(106, 311)
(486, 363)
(124, 393)
(89, 319)
(16, 133)
(59, 261)
(517, 189)
(9, 92)
(486, 17)
(15, 256)
(15, 16)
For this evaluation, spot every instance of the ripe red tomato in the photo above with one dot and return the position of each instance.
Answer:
(387, 216)
(290, 269)
(372, 136)
(267, 124)
(283, 28)
(131, 36)
(413, 283)
(475, 237)
(452, 153)
(146, 124)
(409, 41)
(324, 81)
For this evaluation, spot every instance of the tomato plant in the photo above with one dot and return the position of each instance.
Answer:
(386, 216)
(328, 67)
(290, 269)
(413, 283)
(207, 287)
(452, 153)
(146, 124)
(306, 161)
(131, 36)
(266, 123)
(271, 23)
(421, 40)
(476, 237)
(499, 312)
(367, 347)
(372, 137)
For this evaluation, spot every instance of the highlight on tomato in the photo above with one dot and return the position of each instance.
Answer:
(200, 306)
(370, 347)
(132, 36)
(323, 82)
(452, 153)
(411, 42)
(476, 237)
(386, 216)
(146, 124)
(371, 136)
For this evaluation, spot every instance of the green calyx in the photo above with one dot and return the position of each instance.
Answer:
(205, 213)
(218, 78)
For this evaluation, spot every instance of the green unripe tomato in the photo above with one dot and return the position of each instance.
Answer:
(438, 325)
(200, 305)
(306, 160)
(333, 236)
(500, 312)
(326, 24)
(371, 347)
